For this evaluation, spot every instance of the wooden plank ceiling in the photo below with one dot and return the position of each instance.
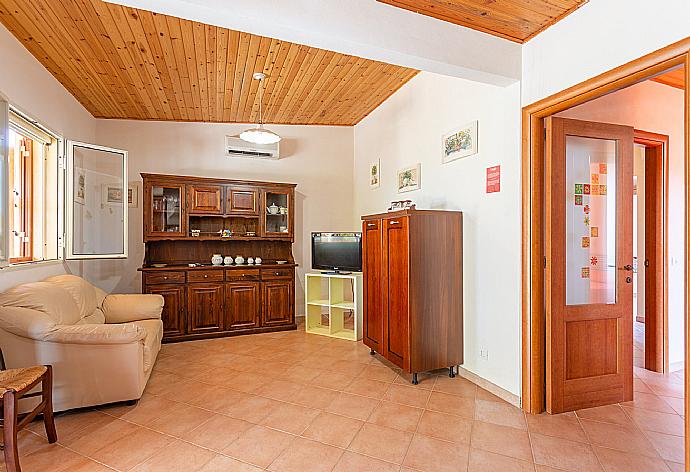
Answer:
(516, 20)
(674, 78)
(121, 62)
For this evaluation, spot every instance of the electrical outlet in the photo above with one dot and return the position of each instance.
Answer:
(484, 354)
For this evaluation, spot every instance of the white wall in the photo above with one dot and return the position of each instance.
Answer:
(31, 88)
(598, 37)
(650, 106)
(318, 159)
(407, 129)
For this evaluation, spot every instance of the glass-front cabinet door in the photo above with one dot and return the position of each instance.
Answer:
(277, 213)
(165, 203)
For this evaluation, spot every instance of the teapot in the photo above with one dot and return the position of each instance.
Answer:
(273, 209)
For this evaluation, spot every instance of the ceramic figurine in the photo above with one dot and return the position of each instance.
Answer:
(217, 259)
(239, 260)
(257, 260)
(250, 260)
(228, 260)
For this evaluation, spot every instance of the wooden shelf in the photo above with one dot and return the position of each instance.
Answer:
(336, 288)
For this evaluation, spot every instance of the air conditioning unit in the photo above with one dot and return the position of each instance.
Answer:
(235, 147)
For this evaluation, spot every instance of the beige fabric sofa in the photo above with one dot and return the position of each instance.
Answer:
(102, 347)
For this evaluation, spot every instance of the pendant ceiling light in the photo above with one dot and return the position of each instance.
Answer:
(260, 135)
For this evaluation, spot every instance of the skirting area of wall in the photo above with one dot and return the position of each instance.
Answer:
(490, 387)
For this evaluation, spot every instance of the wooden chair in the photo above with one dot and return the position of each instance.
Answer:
(15, 385)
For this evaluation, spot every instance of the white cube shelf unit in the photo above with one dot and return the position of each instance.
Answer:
(334, 305)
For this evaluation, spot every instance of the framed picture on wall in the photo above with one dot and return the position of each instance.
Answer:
(79, 186)
(133, 195)
(461, 143)
(375, 174)
(112, 194)
(410, 178)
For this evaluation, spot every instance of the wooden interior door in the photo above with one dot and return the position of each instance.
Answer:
(242, 305)
(371, 267)
(396, 284)
(589, 291)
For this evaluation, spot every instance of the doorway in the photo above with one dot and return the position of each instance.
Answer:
(535, 342)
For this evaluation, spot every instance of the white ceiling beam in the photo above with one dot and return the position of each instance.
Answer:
(364, 28)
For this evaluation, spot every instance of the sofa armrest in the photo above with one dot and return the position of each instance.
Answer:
(127, 308)
(25, 322)
(96, 334)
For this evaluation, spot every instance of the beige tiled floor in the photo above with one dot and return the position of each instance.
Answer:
(288, 402)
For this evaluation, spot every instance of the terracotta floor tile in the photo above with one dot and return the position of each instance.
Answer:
(314, 397)
(501, 440)
(180, 419)
(333, 429)
(488, 396)
(132, 449)
(607, 414)
(675, 466)
(351, 462)
(217, 433)
(246, 382)
(332, 380)
(406, 395)
(563, 454)
(300, 374)
(456, 386)
(281, 390)
(482, 461)
(670, 447)
(87, 465)
(378, 372)
(649, 401)
(354, 406)
(178, 455)
(650, 420)
(290, 418)
(499, 413)
(667, 388)
(227, 464)
(382, 443)
(640, 386)
(621, 438)
(147, 409)
(617, 461)
(396, 416)
(452, 404)
(51, 457)
(69, 423)
(304, 454)
(678, 404)
(447, 427)
(432, 455)
(259, 446)
(564, 426)
(368, 388)
(251, 408)
(217, 399)
(94, 437)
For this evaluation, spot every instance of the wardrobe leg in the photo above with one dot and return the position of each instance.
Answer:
(372, 352)
(414, 379)
(451, 372)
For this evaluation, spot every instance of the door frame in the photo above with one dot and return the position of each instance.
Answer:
(656, 338)
(533, 307)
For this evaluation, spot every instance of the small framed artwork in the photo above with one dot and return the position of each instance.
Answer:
(460, 143)
(133, 196)
(79, 186)
(112, 194)
(375, 174)
(409, 178)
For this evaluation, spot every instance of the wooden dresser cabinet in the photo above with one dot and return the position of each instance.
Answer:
(413, 301)
(184, 222)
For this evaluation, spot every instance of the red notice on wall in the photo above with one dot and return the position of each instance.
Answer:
(493, 179)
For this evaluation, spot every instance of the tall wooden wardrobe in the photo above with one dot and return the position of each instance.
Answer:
(413, 300)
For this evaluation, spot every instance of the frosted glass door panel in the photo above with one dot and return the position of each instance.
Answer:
(590, 221)
(97, 226)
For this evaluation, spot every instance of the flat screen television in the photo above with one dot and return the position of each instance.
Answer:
(336, 252)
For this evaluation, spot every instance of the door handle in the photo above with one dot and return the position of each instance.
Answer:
(371, 224)
(627, 267)
(395, 222)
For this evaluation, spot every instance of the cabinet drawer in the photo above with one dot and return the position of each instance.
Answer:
(272, 274)
(205, 276)
(164, 277)
(239, 275)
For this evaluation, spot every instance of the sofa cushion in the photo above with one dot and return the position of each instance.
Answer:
(83, 293)
(152, 341)
(49, 298)
(97, 317)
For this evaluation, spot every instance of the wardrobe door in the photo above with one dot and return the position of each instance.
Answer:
(396, 285)
(372, 252)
